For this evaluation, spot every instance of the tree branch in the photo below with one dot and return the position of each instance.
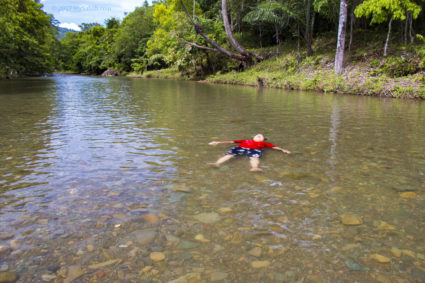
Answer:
(230, 36)
(196, 45)
(199, 31)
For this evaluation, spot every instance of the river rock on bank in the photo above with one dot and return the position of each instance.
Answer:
(110, 73)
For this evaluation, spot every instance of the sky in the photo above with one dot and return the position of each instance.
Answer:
(71, 13)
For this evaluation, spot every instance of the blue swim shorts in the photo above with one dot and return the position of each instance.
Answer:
(236, 150)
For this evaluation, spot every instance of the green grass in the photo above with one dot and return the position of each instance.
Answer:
(366, 72)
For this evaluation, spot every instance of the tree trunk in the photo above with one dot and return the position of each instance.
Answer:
(307, 29)
(214, 44)
(411, 32)
(339, 56)
(406, 24)
(351, 28)
(388, 37)
(228, 29)
(298, 39)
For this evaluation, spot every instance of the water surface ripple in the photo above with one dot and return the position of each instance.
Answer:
(105, 179)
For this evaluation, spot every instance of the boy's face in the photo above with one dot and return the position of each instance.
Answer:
(258, 138)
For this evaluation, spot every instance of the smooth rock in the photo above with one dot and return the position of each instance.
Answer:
(188, 278)
(172, 238)
(260, 263)
(103, 264)
(4, 250)
(351, 219)
(354, 266)
(218, 276)
(4, 267)
(404, 189)
(90, 248)
(151, 218)
(255, 252)
(224, 209)
(201, 238)
(6, 236)
(386, 226)
(8, 277)
(380, 258)
(48, 277)
(142, 237)
(408, 195)
(157, 256)
(409, 253)
(182, 189)
(396, 252)
(187, 245)
(207, 218)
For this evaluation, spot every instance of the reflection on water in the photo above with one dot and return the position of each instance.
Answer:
(105, 179)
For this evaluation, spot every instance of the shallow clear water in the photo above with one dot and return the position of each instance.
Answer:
(113, 171)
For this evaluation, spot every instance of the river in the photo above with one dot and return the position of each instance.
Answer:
(106, 179)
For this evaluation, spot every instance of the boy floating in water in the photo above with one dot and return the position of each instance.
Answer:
(251, 148)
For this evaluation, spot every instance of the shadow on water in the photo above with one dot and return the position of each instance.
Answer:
(106, 179)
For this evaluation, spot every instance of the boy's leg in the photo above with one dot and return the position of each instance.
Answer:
(221, 160)
(255, 162)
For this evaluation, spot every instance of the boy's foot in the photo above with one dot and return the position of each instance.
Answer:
(256, 170)
(213, 164)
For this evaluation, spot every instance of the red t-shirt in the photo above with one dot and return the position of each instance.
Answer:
(253, 144)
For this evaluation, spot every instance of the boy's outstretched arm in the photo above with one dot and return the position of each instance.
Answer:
(219, 142)
(282, 149)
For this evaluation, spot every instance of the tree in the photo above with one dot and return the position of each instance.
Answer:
(27, 38)
(387, 10)
(270, 13)
(244, 54)
(132, 37)
(339, 56)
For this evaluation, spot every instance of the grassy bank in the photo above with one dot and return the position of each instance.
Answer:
(170, 73)
(367, 72)
(399, 75)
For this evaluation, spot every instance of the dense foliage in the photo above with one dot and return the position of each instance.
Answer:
(162, 35)
(27, 38)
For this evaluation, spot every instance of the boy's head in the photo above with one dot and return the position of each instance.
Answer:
(258, 138)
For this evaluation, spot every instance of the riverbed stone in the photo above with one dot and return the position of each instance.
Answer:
(408, 195)
(380, 258)
(188, 278)
(157, 256)
(142, 237)
(8, 277)
(6, 236)
(255, 252)
(260, 263)
(351, 219)
(104, 264)
(218, 276)
(396, 252)
(5, 250)
(48, 277)
(74, 271)
(207, 218)
(187, 245)
(151, 218)
(354, 266)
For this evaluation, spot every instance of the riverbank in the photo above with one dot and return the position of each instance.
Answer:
(367, 73)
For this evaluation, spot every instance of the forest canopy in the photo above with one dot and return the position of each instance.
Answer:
(176, 33)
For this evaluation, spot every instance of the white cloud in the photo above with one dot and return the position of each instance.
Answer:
(73, 26)
(89, 11)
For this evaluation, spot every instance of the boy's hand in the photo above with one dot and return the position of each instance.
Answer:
(286, 151)
(214, 143)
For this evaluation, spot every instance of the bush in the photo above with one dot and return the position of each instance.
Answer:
(399, 66)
